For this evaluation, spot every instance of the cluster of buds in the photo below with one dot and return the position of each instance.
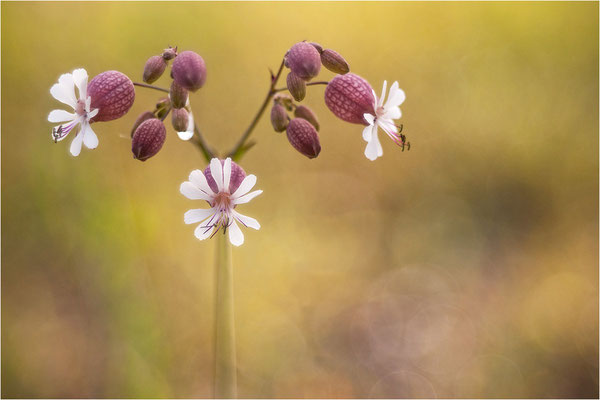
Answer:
(188, 73)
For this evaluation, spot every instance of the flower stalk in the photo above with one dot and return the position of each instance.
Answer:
(225, 358)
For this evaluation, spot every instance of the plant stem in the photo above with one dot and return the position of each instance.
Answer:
(308, 84)
(225, 359)
(150, 87)
(235, 152)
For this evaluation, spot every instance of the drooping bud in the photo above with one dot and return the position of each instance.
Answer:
(303, 136)
(143, 116)
(237, 176)
(148, 139)
(317, 46)
(307, 114)
(170, 53)
(154, 68)
(178, 95)
(334, 62)
(180, 119)
(349, 97)
(296, 86)
(279, 118)
(189, 70)
(303, 59)
(112, 94)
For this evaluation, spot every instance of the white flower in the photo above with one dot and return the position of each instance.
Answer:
(384, 118)
(64, 91)
(222, 213)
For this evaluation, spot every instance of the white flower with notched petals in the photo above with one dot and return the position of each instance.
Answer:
(384, 118)
(64, 91)
(222, 213)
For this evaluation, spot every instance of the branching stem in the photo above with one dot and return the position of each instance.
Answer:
(308, 84)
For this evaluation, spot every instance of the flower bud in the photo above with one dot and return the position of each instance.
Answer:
(154, 68)
(180, 119)
(178, 95)
(303, 136)
(303, 59)
(334, 62)
(112, 94)
(349, 97)
(189, 70)
(307, 114)
(279, 118)
(170, 53)
(237, 176)
(296, 86)
(148, 139)
(143, 116)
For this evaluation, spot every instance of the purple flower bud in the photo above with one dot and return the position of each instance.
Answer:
(279, 118)
(170, 53)
(303, 59)
(112, 94)
(178, 95)
(148, 139)
(317, 46)
(179, 119)
(334, 62)
(296, 86)
(307, 114)
(143, 117)
(237, 176)
(189, 70)
(303, 136)
(349, 97)
(154, 68)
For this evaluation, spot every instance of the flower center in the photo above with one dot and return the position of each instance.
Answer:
(80, 108)
(380, 111)
(222, 200)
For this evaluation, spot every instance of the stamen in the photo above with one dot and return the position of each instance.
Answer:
(62, 131)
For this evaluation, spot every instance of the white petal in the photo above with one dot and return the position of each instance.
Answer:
(216, 171)
(392, 112)
(61, 116)
(367, 133)
(199, 180)
(63, 90)
(92, 113)
(236, 237)
(75, 148)
(387, 125)
(202, 232)
(189, 190)
(186, 135)
(373, 149)
(80, 78)
(246, 221)
(226, 174)
(90, 140)
(247, 197)
(396, 96)
(197, 215)
(246, 186)
(380, 103)
(369, 118)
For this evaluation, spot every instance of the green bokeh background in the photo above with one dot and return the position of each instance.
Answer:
(467, 267)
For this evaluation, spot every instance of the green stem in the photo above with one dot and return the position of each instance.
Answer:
(308, 84)
(150, 87)
(225, 359)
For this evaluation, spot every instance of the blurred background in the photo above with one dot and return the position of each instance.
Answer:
(466, 267)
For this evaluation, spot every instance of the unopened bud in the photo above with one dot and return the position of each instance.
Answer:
(307, 114)
(279, 118)
(237, 176)
(154, 68)
(349, 97)
(170, 53)
(296, 86)
(303, 59)
(148, 139)
(180, 119)
(112, 94)
(317, 46)
(143, 117)
(178, 95)
(334, 62)
(303, 137)
(189, 70)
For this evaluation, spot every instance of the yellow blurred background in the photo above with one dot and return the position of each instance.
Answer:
(466, 267)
